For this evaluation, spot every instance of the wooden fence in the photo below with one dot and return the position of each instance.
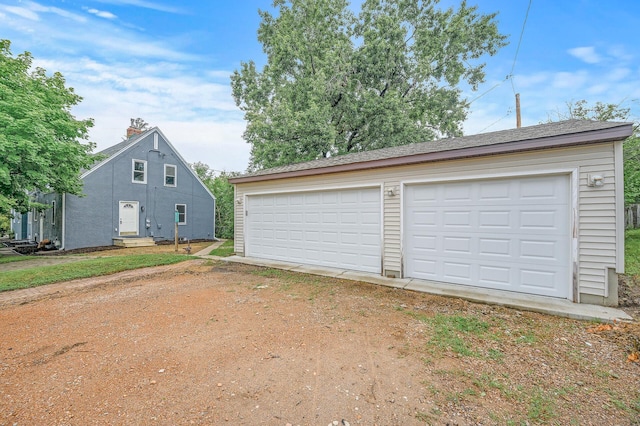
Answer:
(632, 216)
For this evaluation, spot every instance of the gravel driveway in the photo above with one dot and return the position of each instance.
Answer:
(204, 342)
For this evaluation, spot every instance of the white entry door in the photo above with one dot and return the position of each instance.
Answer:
(129, 218)
(508, 234)
(336, 228)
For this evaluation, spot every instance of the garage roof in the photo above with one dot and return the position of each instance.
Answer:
(549, 135)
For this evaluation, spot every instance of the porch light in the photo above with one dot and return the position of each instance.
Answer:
(595, 180)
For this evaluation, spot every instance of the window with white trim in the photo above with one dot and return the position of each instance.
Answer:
(170, 175)
(139, 174)
(182, 213)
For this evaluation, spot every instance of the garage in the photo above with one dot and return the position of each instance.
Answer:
(527, 213)
(335, 228)
(507, 234)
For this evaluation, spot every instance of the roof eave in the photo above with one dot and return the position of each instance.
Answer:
(565, 140)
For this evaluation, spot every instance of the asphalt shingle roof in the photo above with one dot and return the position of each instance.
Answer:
(541, 131)
(108, 152)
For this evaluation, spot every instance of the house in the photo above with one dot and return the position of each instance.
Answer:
(135, 191)
(535, 210)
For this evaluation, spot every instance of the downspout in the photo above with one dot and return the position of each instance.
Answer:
(619, 200)
(64, 220)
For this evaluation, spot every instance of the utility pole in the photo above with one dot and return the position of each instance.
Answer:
(518, 119)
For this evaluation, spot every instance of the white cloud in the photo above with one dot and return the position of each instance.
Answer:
(532, 80)
(23, 12)
(194, 110)
(55, 10)
(586, 54)
(146, 5)
(101, 13)
(618, 74)
(598, 89)
(570, 80)
(619, 53)
(88, 36)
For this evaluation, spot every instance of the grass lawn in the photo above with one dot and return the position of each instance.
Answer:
(226, 249)
(632, 252)
(10, 259)
(12, 280)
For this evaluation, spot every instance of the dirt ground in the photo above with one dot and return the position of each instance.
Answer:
(206, 342)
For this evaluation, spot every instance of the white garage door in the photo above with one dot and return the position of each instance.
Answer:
(508, 234)
(339, 228)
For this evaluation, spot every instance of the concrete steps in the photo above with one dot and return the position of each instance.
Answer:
(134, 242)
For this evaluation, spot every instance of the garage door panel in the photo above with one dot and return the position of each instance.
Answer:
(349, 218)
(459, 245)
(539, 219)
(456, 218)
(424, 242)
(340, 228)
(495, 276)
(512, 234)
(494, 191)
(494, 247)
(457, 270)
(494, 219)
(541, 189)
(539, 250)
(424, 218)
(538, 279)
(370, 198)
(311, 199)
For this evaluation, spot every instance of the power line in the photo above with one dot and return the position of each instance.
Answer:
(509, 111)
(495, 86)
(515, 57)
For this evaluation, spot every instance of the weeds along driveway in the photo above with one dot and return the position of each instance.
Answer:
(204, 342)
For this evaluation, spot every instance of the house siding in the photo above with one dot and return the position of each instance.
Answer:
(93, 220)
(596, 233)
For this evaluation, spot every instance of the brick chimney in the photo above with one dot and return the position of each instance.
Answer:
(133, 130)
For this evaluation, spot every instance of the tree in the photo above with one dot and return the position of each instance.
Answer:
(336, 83)
(223, 191)
(5, 224)
(581, 110)
(40, 145)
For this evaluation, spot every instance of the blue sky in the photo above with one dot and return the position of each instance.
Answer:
(169, 63)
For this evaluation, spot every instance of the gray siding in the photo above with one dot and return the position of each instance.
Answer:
(47, 224)
(93, 220)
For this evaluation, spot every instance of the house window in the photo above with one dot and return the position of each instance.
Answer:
(170, 172)
(139, 171)
(182, 213)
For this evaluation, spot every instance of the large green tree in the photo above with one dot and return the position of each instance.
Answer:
(223, 191)
(40, 146)
(336, 82)
(582, 110)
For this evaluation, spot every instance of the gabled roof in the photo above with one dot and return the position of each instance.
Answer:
(115, 150)
(549, 135)
(110, 151)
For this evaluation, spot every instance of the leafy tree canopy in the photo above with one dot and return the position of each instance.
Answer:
(223, 191)
(581, 110)
(336, 82)
(39, 137)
